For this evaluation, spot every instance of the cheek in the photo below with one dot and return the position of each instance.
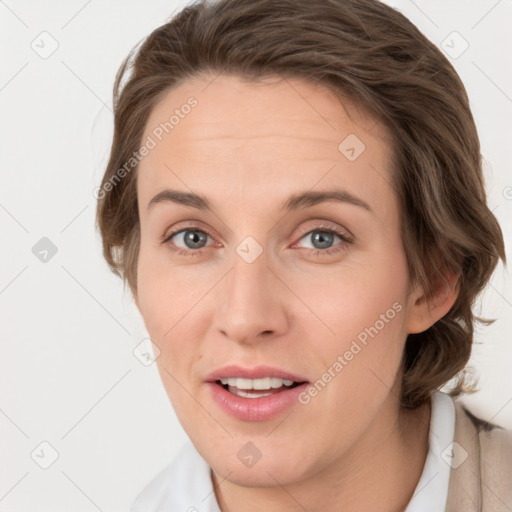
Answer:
(356, 367)
(159, 299)
(362, 313)
(169, 300)
(169, 304)
(154, 294)
(354, 298)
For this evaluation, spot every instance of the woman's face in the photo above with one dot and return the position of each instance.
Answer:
(288, 266)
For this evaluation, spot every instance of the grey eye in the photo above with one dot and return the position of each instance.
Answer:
(320, 239)
(192, 238)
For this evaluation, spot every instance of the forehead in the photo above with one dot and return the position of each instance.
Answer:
(231, 106)
(243, 135)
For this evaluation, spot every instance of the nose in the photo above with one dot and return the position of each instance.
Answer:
(250, 302)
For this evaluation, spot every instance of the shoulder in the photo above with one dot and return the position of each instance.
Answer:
(481, 468)
(494, 441)
(184, 484)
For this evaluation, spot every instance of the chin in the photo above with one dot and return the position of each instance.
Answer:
(268, 473)
(250, 461)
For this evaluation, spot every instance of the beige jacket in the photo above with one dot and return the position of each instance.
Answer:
(482, 482)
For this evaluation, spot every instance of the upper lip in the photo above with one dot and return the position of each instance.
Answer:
(257, 372)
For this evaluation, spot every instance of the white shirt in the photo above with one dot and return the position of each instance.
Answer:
(185, 485)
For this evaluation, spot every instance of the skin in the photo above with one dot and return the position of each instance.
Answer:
(247, 147)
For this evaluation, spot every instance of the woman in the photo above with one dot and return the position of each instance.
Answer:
(295, 198)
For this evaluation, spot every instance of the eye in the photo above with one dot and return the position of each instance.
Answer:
(188, 238)
(323, 240)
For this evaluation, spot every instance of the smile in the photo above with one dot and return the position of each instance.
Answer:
(257, 394)
(256, 388)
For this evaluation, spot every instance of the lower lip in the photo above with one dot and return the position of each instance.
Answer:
(255, 409)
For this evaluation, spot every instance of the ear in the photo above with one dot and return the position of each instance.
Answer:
(422, 313)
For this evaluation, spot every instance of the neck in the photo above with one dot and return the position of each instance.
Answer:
(380, 472)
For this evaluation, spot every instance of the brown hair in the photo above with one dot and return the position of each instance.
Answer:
(366, 51)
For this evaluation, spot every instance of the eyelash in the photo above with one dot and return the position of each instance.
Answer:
(345, 240)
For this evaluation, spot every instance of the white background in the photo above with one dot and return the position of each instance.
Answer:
(68, 374)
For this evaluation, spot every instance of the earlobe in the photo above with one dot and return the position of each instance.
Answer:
(423, 313)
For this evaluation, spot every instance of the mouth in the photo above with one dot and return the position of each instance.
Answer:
(256, 388)
(255, 394)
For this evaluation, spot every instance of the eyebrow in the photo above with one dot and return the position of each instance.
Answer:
(297, 201)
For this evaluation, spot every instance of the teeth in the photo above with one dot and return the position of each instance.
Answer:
(245, 393)
(265, 383)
